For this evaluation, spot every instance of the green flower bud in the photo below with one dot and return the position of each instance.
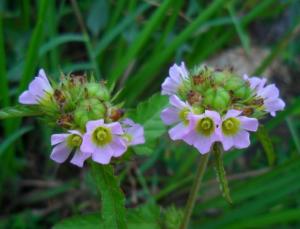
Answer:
(90, 109)
(234, 83)
(97, 90)
(219, 77)
(217, 98)
(243, 92)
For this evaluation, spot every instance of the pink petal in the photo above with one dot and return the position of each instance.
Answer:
(60, 153)
(274, 105)
(27, 98)
(115, 128)
(203, 144)
(178, 131)
(36, 88)
(92, 125)
(169, 115)
(227, 142)
(183, 70)
(79, 158)
(102, 155)
(75, 132)
(232, 113)
(137, 133)
(174, 73)
(270, 91)
(87, 146)
(58, 138)
(118, 146)
(46, 84)
(215, 116)
(250, 124)
(241, 140)
(176, 102)
(169, 87)
(191, 137)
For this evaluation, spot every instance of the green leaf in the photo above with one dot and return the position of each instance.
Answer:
(59, 40)
(148, 115)
(18, 111)
(220, 171)
(98, 16)
(264, 138)
(144, 217)
(133, 51)
(12, 138)
(89, 221)
(112, 198)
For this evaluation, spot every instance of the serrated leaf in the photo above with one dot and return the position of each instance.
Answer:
(220, 171)
(89, 221)
(148, 115)
(144, 217)
(264, 138)
(112, 198)
(18, 111)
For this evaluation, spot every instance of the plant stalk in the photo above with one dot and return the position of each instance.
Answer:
(194, 191)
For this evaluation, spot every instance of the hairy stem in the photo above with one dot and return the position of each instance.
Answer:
(194, 191)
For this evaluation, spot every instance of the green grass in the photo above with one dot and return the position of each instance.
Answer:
(131, 46)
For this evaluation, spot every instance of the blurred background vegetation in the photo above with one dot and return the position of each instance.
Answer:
(131, 44)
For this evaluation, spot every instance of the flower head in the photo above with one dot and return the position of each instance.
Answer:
(203, 130)
(64, 144)
(176, 114)
(177, 75)
(234, 130)
(133, 132)
(38, 90)
(103, 141)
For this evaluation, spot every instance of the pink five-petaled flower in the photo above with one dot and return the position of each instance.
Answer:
(203, 130)
(64, 144)
(38, 90)
(177, 74)
(269, 94)
(133, 132)
(176, 114)
(233, 130)
(103, 141)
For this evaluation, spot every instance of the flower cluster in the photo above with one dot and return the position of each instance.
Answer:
(93, 127)
(211, 105)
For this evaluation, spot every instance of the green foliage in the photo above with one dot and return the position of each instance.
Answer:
(132, 44)
(148, 115)
(18, 111)
(264, 138)
(112, 197)
(220, 171)
(144, 217)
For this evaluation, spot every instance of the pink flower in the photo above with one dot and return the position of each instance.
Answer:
(38, 90)
(203, 130)
(64, 144)
(233, 130)
(269, 94)
(133, 132)
(177, 74)
(103, 141)
(176, 114)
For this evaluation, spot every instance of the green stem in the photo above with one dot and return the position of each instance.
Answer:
(194, 191)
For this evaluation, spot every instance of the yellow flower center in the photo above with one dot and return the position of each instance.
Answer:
(205, 126)
(102, 136)
(74, 141)
(231, 126)
(183, 115)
